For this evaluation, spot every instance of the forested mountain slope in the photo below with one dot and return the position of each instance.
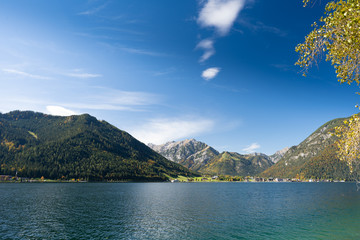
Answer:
(35, 145)
(315, 157)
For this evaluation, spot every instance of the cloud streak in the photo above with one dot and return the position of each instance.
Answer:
(260, 26)
(78, 73)
(141, 51)
(159, 131)
(101, 98)
(93, 10)
(208, 46)
(33, 97)
(25, 74)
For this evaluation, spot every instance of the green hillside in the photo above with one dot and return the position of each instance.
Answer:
(235, 164)
(315, 157)
(326, 165)
(36, 145)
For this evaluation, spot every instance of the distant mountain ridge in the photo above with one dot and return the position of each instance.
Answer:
(36, 144)
(199, 156)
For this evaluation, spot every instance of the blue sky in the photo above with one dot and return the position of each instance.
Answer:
(219, 71)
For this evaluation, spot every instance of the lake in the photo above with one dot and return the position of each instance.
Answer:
(179, 211)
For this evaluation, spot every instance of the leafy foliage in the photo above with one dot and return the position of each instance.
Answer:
(36, 145)
(338, 36)
(349, 142)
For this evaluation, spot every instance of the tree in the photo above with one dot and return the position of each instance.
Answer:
(337, 35)
(349, 142)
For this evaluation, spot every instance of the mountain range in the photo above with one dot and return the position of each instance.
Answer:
(80, 146)
(200, 157)
(39, 145)
(315, 158)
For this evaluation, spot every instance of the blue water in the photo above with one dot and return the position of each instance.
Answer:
(179, 211)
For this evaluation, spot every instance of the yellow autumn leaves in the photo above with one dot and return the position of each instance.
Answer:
(337, 35)
(349, 141)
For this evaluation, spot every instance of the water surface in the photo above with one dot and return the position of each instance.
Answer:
(179, 211)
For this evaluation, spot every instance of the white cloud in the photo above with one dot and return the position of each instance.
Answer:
(208, 46)
(220, 14)
(159, 131)
(59, 111)
(25, 74)
(251, 148)
(210, 73)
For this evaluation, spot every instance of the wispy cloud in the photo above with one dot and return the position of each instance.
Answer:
(34, 97)
(83, 75)
(159, 131)
(102, 98)
(25, 74)
(210, 73)
(141, 51)
(208, 46)
(93, 10)
(251, 148)
(220, 14)
(59, 111)
(164, 72)
(78, 73)
(132, 50)
(118, 97)
(260, 26)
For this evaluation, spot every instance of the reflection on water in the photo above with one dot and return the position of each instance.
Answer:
(180, 211)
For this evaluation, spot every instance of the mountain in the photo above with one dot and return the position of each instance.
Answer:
(189, 153)
(278, 155)
(200, 157)
(235, 164)
(35, 145)
(315, 157)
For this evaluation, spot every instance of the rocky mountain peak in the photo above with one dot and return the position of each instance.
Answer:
(189, 152)
(278, 155)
